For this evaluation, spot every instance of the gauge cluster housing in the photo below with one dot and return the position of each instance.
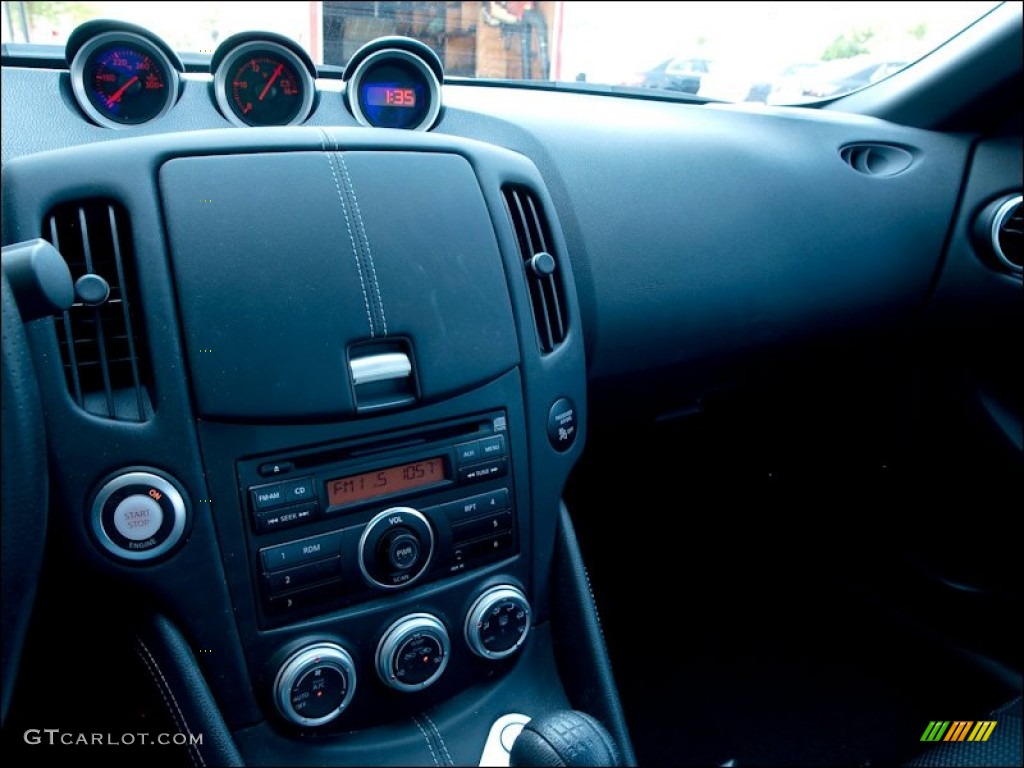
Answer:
(107, 61)
(258, 79)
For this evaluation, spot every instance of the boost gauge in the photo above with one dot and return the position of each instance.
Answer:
(121, 79)
(262, 82)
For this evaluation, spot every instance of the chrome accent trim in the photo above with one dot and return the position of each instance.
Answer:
(394, 638)
(390, 365)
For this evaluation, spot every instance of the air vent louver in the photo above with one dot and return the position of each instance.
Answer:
(540, 264)
(877, 159)
(106, 366)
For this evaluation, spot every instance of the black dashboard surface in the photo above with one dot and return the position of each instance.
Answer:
(702, 231)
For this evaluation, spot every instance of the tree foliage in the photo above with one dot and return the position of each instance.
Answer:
(42, 15)
(849, 44)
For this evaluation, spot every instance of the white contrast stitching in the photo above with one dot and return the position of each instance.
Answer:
(167, 703)
(180, 718)
(440, 739)
(427, 739)
(366, 240)
(351, 237)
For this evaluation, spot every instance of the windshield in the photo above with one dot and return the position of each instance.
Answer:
(782, 52)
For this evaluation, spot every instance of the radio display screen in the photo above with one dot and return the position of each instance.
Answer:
(383, 482)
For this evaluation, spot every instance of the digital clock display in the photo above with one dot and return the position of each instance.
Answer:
(384, 482)
(388, 96)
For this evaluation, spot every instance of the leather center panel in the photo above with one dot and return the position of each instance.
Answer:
(324, 250)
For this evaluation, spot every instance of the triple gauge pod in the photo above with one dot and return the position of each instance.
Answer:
(123, 76)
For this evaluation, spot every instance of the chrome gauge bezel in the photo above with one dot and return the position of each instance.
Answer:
(80, 88)
(222, 80)
(354, 85)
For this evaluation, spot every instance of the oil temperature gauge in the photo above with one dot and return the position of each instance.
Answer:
(121, 79)
(262, 82)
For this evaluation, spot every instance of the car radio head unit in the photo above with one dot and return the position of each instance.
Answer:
(335, 525)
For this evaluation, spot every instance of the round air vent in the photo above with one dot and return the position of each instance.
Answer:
(1000, 230)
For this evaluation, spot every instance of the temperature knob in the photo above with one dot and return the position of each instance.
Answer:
(413, 652)
(498, 622)
(315, 685)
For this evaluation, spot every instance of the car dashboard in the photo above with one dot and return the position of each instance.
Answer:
(312, 413)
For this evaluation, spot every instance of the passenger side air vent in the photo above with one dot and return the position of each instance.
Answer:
(101, 344)
(547, 294)
(1009, 234)
(999, 233)
(877, 159)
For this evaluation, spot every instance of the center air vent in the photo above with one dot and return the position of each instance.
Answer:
(540, 264)
(106, 367)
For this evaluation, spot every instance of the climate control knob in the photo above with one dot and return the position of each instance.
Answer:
(413, 652)
(498, 622)
(315, 685)
(395, 548)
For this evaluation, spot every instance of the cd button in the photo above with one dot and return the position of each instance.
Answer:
(282, 494)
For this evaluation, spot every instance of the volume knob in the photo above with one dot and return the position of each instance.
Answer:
(395, 548)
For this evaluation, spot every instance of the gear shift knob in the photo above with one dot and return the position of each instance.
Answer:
(564, 738)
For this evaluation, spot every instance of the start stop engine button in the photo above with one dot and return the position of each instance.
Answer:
(138, 517)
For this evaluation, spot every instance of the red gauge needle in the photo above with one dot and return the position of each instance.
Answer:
(270, 82)
(116, 96)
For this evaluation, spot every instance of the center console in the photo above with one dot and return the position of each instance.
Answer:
(361, 384)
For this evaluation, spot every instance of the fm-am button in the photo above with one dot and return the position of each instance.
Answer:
(282, 494)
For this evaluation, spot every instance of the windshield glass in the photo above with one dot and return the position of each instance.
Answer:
(781, 52)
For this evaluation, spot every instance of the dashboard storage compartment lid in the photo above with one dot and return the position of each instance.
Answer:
(283, 261)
